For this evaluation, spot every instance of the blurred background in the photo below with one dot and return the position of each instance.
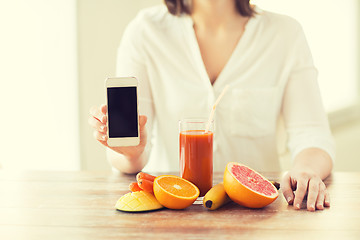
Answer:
(55, 56)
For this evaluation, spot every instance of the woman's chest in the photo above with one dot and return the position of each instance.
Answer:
(216, 51)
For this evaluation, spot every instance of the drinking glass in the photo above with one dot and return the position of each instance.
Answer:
(196, 152)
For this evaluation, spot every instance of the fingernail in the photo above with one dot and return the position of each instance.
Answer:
(102, 128)
(288, 199)
(298, 206)
(312, 207)
(103, 137)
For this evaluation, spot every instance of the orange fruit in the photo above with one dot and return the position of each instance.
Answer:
(175, 192)
(247, 187)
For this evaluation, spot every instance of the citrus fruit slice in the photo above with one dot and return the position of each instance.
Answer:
(247, 187)
(138, 202)
(175, 192)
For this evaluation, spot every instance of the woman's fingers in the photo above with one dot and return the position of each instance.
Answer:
(143, 134)
(327, 199)
(313, 193)
(306, 185)
(95, 123)
(321, 197)
(287, 189)
(98, 114)
(301, 188)
(98, 121)
(103, 108)
(101, 137)
(142, 121)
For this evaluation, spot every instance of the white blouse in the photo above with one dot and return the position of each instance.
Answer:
(270, 73)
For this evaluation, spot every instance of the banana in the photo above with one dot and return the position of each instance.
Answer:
(216, 197)
(276, 184)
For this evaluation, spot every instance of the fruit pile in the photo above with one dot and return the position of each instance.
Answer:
(241, 185)
(157, 192)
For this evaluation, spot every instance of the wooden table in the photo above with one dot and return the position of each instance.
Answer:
(80, 205)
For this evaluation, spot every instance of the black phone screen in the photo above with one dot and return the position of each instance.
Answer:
(122, 112)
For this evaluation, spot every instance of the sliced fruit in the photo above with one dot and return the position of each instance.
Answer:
(247, 187)
(174, 192)
(216, 197)
(138, 202)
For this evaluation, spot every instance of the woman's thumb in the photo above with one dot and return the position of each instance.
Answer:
(142, 121)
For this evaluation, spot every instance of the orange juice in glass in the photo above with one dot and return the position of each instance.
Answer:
(196, 153)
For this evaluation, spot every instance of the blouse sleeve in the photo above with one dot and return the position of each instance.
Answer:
(304, 115)
(131, 63)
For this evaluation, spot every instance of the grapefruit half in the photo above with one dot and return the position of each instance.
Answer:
(247, 187)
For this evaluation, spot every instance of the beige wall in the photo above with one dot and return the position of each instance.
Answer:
(100, 26)
(38, 64)
(347, 146)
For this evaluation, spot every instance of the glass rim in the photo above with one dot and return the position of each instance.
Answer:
(195, 120)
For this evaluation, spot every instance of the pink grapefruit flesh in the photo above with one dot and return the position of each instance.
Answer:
(247, 187)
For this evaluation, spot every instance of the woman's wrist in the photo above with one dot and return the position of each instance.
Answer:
(313, 160)
(127, 163)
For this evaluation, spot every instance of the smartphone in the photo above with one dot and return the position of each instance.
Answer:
(122, 111)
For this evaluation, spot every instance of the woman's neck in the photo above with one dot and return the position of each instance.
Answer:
(214, 14)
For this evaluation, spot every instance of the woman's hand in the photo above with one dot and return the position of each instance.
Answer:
(98, 120)
(305, 182)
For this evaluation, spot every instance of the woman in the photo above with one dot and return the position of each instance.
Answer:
(185, 53)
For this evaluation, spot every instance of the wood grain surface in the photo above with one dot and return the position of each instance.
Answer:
(80, 205)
